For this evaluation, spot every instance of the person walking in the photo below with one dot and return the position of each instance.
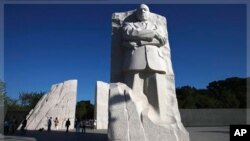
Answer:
(49, 123)
(56, 122)
(83, 126)
(67, 124)
(24, 123)
(77, 125)
(14, 124)
(6, 126)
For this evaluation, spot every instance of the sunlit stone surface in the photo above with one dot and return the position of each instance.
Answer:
(101, 105)
(59, 102)
(144, 106)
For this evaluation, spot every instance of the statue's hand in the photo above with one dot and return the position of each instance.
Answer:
(160, 38)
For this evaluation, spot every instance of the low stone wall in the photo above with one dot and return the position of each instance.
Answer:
(213, 117)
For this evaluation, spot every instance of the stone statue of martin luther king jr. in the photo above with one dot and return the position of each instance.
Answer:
(148, 109)
(144, 66)
(143, 40)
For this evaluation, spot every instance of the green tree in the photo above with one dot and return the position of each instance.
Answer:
(30, 99)
(231, 92)
(2, 92)
(186, 97)
(84, 110)
(228, 93)
(4, 99)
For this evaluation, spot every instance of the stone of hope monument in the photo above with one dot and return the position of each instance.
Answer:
(140, 102)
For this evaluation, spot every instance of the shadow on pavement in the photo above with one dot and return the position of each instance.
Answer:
(90, 135)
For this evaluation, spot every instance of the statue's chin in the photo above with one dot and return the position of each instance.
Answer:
(143, 19)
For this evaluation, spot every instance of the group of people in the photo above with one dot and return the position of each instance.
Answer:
(79, 124)
(10, 125)
(56, 122)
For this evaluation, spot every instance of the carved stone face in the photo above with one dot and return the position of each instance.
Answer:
(142, 13)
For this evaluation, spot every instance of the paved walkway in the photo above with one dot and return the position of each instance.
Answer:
(208, 133)
(196, 134)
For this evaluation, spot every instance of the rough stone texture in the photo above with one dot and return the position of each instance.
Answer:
(124, 121)
(59, 102)
(129, 119)
(144, 106)
(101, 105)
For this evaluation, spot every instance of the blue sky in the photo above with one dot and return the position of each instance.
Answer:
(48, 44)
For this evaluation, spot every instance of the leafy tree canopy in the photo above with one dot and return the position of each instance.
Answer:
(228, 93)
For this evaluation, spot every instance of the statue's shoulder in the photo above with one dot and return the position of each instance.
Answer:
(119, 18)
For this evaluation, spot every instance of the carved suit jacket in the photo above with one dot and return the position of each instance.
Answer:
(142, 49)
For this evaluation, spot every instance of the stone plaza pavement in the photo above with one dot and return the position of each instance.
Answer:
(196, 134)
